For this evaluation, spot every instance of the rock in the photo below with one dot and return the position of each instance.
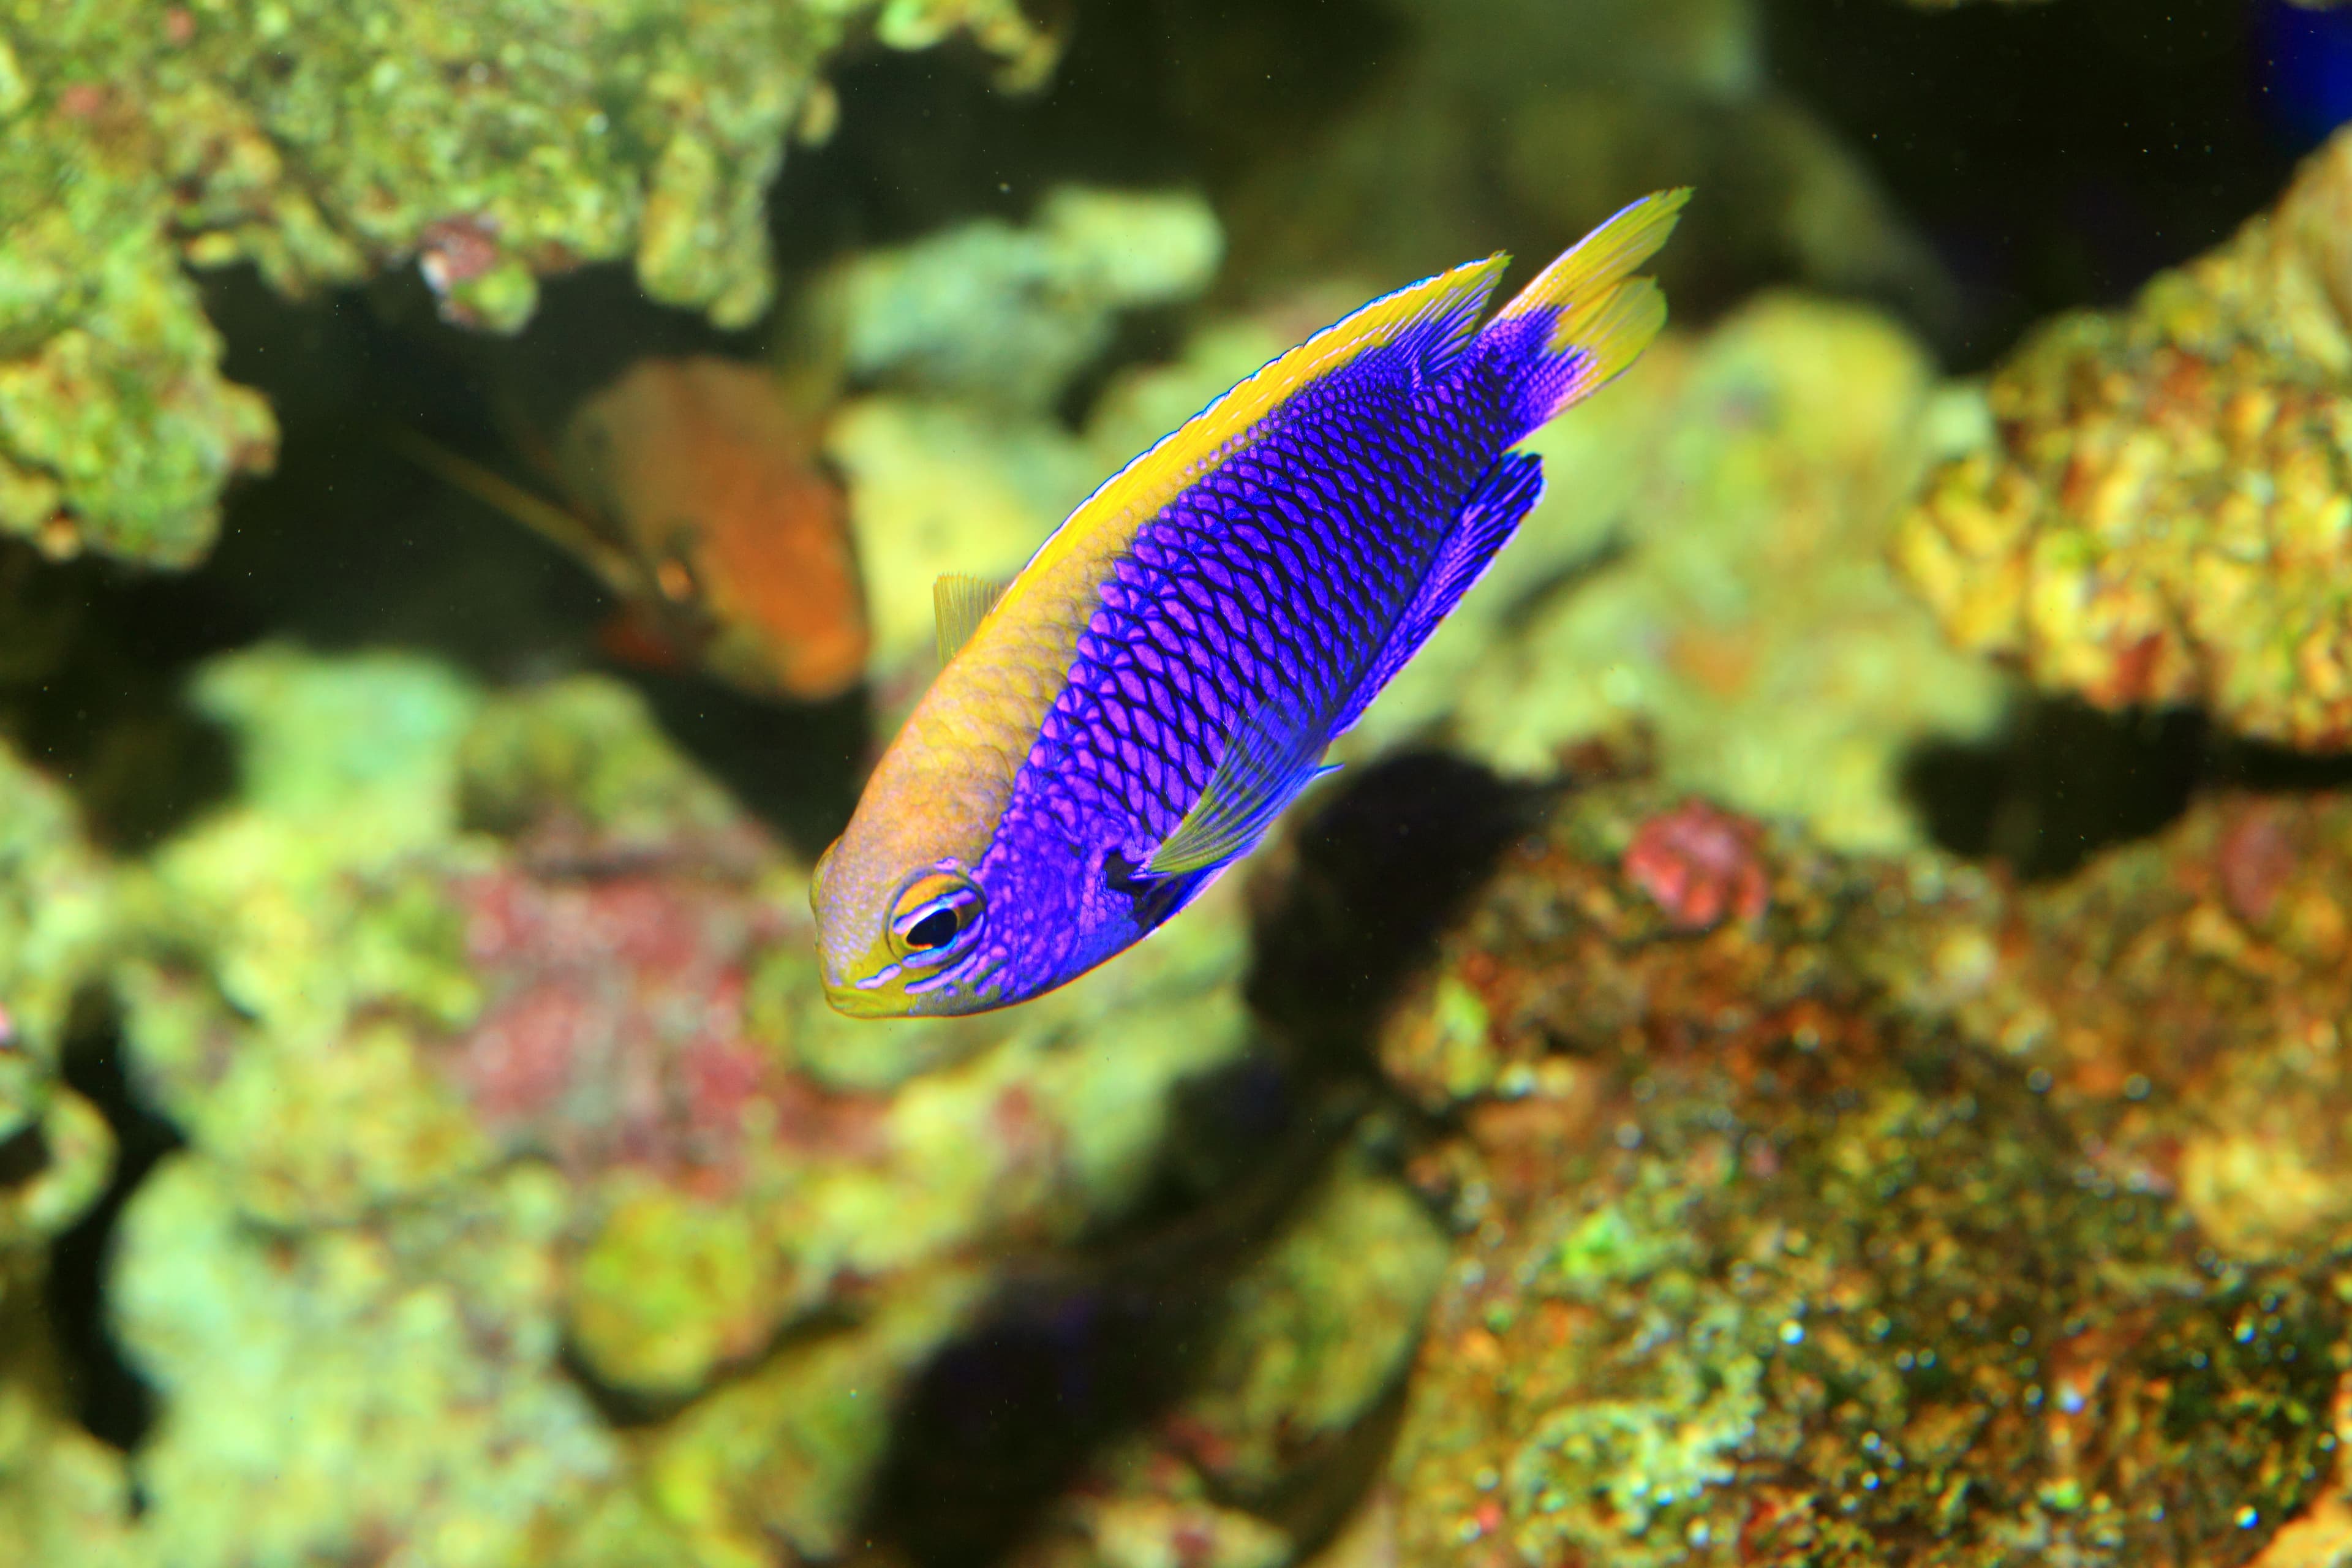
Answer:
(2153, 510)
(1759, 1258)
(1003, 316)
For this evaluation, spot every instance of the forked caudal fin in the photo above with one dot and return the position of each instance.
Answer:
(1596, 317)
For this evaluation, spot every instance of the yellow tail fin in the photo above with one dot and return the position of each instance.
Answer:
(1602, 316)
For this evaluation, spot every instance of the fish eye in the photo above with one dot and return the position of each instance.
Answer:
(934, 913)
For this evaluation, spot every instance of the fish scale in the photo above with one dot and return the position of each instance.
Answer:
(1215, 585)
(1127, 718)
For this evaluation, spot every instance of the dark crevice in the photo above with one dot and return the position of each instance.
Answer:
(2064, 780)
(1079, 1351)
(1352, 903)
(108, 1396)
(23, 1154)
(2054, 155)
(2061, 781)
(90, 690)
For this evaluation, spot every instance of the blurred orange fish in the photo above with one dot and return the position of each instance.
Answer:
(697, 495)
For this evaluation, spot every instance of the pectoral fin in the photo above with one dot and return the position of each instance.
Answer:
(1276, 754)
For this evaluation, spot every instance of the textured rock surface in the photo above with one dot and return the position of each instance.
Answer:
(2156, 510)
(1760, 1260)
(2235, 930)
(60, 1491)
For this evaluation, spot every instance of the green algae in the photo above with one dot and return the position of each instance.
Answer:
(61, 1492)
(581, 749)
(988, 311)
(117, 430)
(276, 942)
(55, 926)
(324, 143)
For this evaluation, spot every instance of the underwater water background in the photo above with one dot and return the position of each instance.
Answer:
(1808, 1028)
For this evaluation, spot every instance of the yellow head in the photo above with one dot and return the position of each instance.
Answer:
(896, 899)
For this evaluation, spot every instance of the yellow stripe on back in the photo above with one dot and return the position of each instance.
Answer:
(1107, 519)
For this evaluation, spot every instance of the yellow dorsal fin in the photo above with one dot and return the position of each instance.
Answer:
(960, 603)
(1450, 303)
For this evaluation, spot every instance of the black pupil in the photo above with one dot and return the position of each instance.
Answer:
(934, 930)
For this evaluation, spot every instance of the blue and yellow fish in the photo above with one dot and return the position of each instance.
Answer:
(1125, 718)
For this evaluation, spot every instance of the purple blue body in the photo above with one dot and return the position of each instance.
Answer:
(1246, 589)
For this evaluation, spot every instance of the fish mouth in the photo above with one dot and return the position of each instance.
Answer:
(875, 996)
(852, 1001)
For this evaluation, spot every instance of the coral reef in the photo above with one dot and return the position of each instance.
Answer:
(55, 918)
(117, 430)
(324, 143)
(1707, 561)
(64, 1496)
(2155, 511)
(499, 1024)
(388, 1387)
(1759, 1261)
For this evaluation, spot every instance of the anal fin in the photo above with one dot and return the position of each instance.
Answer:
(1490, 515)
(1277, 753)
